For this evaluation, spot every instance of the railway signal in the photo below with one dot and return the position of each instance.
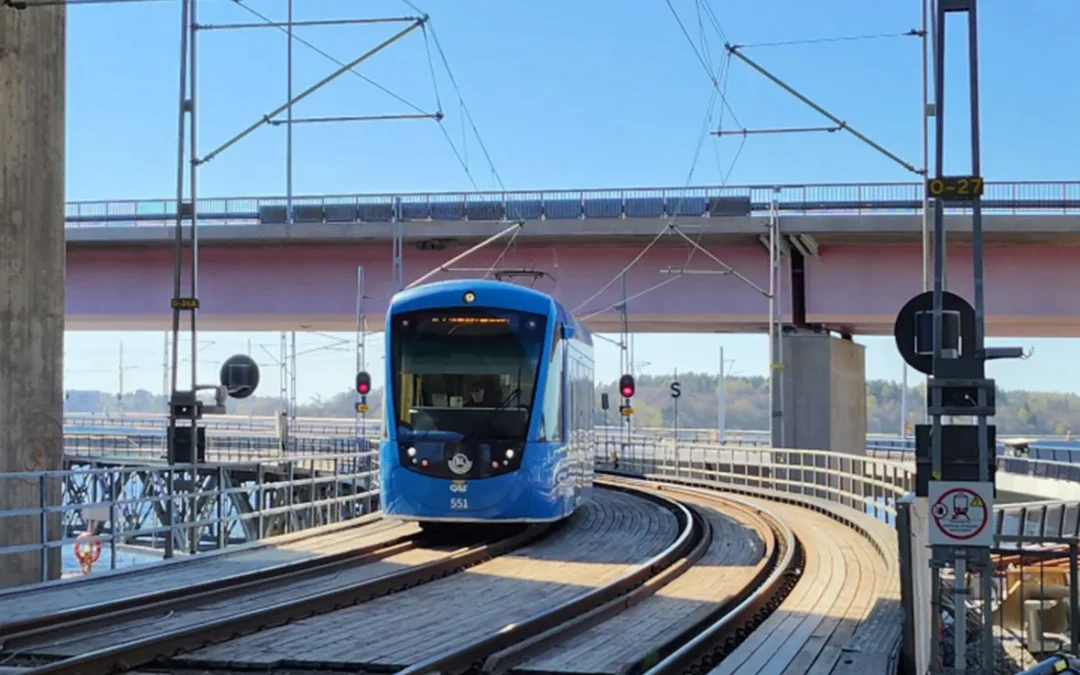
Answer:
(363, 383)
(626, 386)
(363, 387)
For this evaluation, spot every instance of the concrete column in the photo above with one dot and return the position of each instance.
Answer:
(32, 258)
(824, 385)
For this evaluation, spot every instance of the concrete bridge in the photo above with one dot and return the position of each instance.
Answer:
(852, 255)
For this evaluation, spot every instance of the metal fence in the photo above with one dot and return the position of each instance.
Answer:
(161, 511)
(1003, 197)
(1037, 596)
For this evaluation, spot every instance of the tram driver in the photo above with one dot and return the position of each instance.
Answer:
(477, 396)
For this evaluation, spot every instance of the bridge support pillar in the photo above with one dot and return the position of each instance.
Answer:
(32, 257)
(823, 383)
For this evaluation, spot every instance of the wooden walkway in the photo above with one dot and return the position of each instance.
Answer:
(601, 542)
(725, 569)
(843, 615)
(34, 601)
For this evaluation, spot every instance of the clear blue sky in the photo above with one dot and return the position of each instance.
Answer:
(600, 94)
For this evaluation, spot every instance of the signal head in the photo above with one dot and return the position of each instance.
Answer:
(240, 375)
(363, 383)
(626, 386)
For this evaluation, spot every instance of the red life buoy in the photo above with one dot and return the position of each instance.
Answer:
(87, 550)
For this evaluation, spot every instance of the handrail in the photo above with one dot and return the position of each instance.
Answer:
(633, 202)
(872, 486)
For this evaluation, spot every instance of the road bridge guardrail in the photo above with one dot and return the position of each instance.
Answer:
(649, 202)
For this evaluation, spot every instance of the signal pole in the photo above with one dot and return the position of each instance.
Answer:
(941, 335)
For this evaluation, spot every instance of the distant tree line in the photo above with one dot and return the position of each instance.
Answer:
(747, 399)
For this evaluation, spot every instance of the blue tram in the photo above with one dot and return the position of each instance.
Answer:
(489, 405)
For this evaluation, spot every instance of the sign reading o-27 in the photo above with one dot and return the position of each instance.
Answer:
(961, 513)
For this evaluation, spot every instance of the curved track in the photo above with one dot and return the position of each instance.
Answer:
(649, 577)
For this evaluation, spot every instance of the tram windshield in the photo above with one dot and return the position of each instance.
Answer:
(465, 374)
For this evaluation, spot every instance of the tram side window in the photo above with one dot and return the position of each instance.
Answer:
(551, 414)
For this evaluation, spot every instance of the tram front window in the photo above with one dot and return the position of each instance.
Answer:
(465, 375)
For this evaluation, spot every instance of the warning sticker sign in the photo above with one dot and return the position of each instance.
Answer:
(960, 513)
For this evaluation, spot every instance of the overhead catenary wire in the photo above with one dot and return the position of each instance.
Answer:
(701, 59)
(268, 22)
(332, 58)
(734, 50)
(463, 161)
(719, 92)
(843, 38)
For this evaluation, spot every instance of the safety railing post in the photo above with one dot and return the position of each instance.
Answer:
(223, 532)
(1074, 601)
(114, 528)
(907, 664)
(43, 499)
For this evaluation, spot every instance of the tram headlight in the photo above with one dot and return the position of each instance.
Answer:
(509, 454)
(411, 452)
(469, 297)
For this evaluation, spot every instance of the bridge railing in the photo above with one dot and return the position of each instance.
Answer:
(654, 202)
(142, 512)
(870, 485)
(884, 489)
(903, 450)
(253, 425)
(150, 448)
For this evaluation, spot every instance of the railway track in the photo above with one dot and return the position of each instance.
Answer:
(697, 644)
(504, 618)
(54, 643)
(250, 611)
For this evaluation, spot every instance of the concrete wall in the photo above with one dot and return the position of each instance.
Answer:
(32, 260)
(824, 394)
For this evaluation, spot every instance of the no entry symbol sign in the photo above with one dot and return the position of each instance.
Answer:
(960, 513)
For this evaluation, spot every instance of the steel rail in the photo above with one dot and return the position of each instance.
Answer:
(505, 660)
(36, 630)
(145, 650)
(472, 654)
(707, 642)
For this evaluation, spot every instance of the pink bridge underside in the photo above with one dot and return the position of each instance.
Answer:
(1030, 290)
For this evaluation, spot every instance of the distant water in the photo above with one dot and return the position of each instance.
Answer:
(1058, 451)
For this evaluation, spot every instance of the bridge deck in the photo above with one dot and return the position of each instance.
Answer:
(28, 602)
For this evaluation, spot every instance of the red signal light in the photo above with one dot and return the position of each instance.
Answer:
(626, 386)
(363, 383)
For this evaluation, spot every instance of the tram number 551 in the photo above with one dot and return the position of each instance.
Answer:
(459, 503)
